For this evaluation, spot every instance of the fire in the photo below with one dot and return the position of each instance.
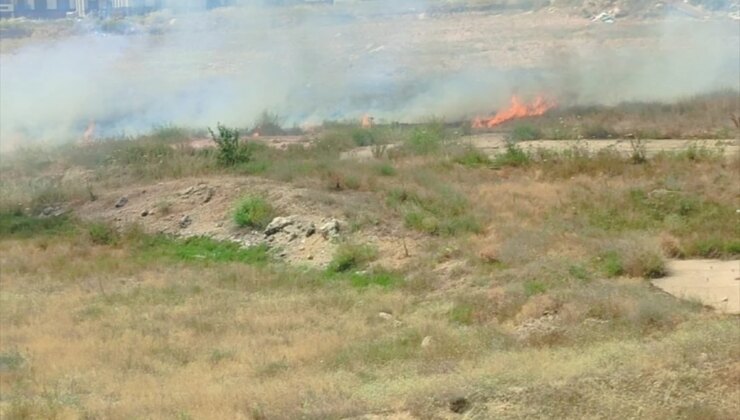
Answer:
(367, 121)
(89, 135)
(517, 109)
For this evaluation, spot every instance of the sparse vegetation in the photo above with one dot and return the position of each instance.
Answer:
(230, 150)
(497, 267)
(253, 211)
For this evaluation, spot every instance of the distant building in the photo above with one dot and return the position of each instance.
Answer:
(50, 9)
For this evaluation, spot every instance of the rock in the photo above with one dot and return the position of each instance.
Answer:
(459, 405)
(52, 211)
(330, 229)
(385, 315)
(121, 202)
(185, 221)
(278, 224)
(310, 230)
(310, 258)
(208, 196)
(426, 342)
(145, 213)
(187, 191)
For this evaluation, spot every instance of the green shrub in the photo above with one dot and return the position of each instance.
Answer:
(230, 150)
(473, 158)
(513, 156)
(386, 169)
(102, 233)
(426, 139)
(253, 212)
(611, 264)
(525, 132)
(351, 256)
(534, 287)
(363, 136)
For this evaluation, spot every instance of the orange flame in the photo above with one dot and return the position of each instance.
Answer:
(367, 121)
(517, 109)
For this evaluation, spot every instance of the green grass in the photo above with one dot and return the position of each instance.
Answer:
(472, 158)
(383, 279)
(439, 210)
(201, 249)
(525, 132)
(253, 211)
(513, 156)
(19, 225)
(350, 256)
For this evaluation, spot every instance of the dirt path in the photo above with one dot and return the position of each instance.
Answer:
(715, 283)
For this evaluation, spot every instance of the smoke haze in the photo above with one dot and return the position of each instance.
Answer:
(393, 60)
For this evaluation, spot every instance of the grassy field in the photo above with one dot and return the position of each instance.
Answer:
(528, 298)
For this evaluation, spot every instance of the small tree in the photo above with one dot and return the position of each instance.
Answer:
(230, 151)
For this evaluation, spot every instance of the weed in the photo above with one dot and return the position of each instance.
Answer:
(230, 150)
(534, 287)
(473, 158)
(386, 169)
(375, 278)
(11, 361)
(201, 249)
(513, 156)
(102, 233)
(254, 212)
(426, 139)
(350, 256)
(525, 132)
(17, 224)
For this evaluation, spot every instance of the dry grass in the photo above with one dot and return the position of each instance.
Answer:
(526, 282)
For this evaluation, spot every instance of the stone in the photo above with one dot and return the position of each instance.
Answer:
(426, 342)
(310, 230)
(185, 221)
(145, 213)
(278, 224)
(385, 316)
(330, 229)
(121, 202)
(208, 196)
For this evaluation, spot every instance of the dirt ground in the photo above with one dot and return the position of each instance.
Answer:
(712, 282)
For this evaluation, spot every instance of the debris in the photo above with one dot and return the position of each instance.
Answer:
(185, 221)
(121, 202)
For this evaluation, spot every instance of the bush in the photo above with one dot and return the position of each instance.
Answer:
(17, 224)
(426, 139)
(526, 132)
(350, 257)
(514, 156)
(473, 158)
(230, 151)
(102, 234)
(253, 212)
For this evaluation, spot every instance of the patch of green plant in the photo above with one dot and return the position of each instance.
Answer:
(230, 150)
(201, 249)
(462, 313)
(375, 278)
(102, 233)
(439, 211)
(18, 224)
(364, 136)
(473, 158)
(350, 256)
(611, 264)
(253, 211)
(386, 169)
(513, 156)
(11, 361)
(426, 139)
(534, 287)
(525, 132)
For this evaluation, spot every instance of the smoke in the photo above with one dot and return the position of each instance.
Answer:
(395, 60)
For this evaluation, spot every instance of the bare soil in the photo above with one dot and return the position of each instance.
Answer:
(712, 282)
